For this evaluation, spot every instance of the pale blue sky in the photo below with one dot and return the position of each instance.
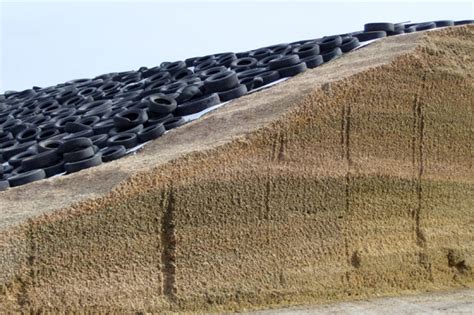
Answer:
(45, 43)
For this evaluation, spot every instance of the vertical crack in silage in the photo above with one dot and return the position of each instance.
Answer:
(347, 129)
(415, 130)
(27, 278)
(345, 142)
(283, 145)
(343, 132)
(168, 243)
(267, 207)
(417, 148)
(275, 147)
(418, 152)
(277, 154)
(420, 238)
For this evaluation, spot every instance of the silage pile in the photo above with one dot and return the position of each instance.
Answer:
(351, 180)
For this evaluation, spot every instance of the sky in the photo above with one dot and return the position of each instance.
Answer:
(46, 43)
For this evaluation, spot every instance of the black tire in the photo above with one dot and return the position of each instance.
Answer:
(365, 36)
(226, 59)
(281, 49)
(93, 105)
(284, 62)
(231, 94)
(99, 140)
(260, 53)
(174, 67)
(330, 42)
(40, 160)
(62, 112)
(198, 105)
(120, 105)
(80, 165)
(72, 127)
(307, 50)
(26, 177)
(10, 124)
(188, 93)
(221, 82)
(4, 185)
(463, 22)
(128, 140)
(54, 169)
(330, 55)
(38, 119)
(192, 81)
(305, 41)
(89, 120)
(71, 144)
(396, 32)
(78, 82)
(79, 134)
(112, 153)
(243, 63)
(444, 23)
(16, 160)
(161, 104)
(209, 72)
(263, 63)
(21, 127)
(103, 127)
(76, 101)
(28, 134)
(205, 65)
(49, 144)
(251, 73)
(172, 87)
(162, 77)
(387, 27)
(242, 54)
(251, 82)
(47, 133)
(425, 26)
(143, 96)
(99, 111)
(152, 120)
(203, 59)
(269, 77)
(174, 122)
(182, 74)
(130, 118)
(47, 104)
(349, 43)
(4, 136)
(60, 124)
(292, 70)
(90, 92)
(11, 148)
(190, 61)
(151, 132)
(65, 94)
(115, 131)
(80, 153)
(6, 169)
(398, 27)
(313, 61)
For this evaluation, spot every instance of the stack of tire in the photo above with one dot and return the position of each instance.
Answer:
(383, 29)
(85, 122)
